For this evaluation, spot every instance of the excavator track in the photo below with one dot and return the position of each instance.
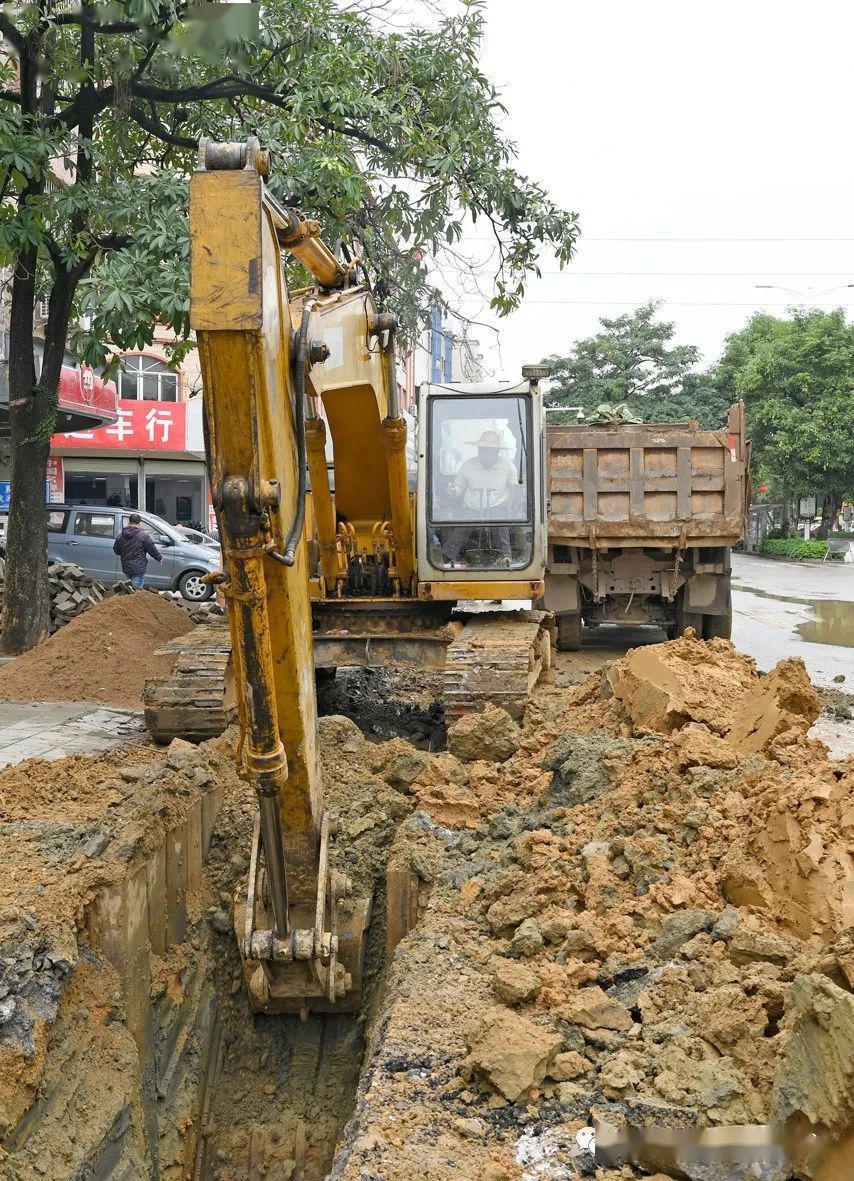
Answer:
(497, 658)
(197, 700)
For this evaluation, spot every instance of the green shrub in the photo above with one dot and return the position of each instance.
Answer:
(793, 547)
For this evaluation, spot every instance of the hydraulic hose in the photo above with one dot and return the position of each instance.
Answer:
(289, 556)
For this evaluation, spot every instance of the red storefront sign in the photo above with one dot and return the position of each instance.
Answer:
(140, 426)
(55, 480)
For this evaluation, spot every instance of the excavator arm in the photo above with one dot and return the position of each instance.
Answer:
(301, 943)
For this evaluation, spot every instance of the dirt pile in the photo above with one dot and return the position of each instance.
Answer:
(650, 878)
(103, 655)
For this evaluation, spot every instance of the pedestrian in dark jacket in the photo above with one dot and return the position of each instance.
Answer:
(134, 546)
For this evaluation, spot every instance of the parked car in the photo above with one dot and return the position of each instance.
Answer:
(196, 536)
(84, 534)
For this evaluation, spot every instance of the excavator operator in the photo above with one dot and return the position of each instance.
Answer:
(483, 485)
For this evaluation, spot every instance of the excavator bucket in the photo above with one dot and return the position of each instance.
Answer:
(318, 966)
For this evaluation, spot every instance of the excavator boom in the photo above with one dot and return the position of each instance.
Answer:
(297, 954)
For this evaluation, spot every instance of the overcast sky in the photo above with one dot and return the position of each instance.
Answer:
(709, 127)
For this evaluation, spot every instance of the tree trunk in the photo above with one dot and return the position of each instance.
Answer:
(32, 414)
(786, 523)
(830, 506)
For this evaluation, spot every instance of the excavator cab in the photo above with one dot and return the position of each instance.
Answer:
(480, 505)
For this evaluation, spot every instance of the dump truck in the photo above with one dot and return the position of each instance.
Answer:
(641, 521)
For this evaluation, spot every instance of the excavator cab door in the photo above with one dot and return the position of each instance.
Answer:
(480, 504)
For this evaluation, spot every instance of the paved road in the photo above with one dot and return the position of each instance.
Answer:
(790, 609)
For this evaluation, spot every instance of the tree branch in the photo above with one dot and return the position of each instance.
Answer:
(156, 128)
(12, 34)
(82, 18)
(11, 96)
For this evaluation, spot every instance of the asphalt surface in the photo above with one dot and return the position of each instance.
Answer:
(793, 609)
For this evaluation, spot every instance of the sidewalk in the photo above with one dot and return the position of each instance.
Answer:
(54, 730)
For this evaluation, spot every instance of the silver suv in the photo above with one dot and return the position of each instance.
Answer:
(84, 534)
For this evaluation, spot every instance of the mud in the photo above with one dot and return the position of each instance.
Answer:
(636, 909)
(103, 655)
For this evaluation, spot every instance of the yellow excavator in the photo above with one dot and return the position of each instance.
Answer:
(355, 568)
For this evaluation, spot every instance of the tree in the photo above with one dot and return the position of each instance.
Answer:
(389, 138)
(796, 377)
(632, 360)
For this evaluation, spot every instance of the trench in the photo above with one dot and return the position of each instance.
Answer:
(276, 1092)
(156, 1068)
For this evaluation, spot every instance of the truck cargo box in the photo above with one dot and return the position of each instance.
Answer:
(648, 484)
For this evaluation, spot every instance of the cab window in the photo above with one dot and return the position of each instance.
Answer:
(480, 498)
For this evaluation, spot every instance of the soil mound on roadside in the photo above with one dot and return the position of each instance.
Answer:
(104, 655)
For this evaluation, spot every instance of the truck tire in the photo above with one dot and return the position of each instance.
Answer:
(568, 632)
(684, 619)
(718, 626)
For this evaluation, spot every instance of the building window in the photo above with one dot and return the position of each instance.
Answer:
(147, 378)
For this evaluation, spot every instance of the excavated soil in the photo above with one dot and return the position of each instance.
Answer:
(634, 908)
(105, 655)
(643, 914)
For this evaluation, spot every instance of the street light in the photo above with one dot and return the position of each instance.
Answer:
(801, 294)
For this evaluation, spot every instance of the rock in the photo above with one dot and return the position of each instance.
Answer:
(815, 1072)
(527, 940)
(490, 735)
(726, 925)
(7, 1009)
(689, 1078)
(579, 944)
(622, 1072)
(595, 848)
(577, 761)
(751, 944)
(594, 1009)
(513, 983)
(471, 1128)
(569, 1065)
(557, 927)
(510, 910)
(96, 844)
(700, 748)
(403, 769)
(181, 754)
(839, 678)
(678, 928)
(221, 922)
(571, 1094)
(512, 1052)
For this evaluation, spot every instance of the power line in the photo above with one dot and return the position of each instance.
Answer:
(569, 272)
(583, 238)
(681, 303)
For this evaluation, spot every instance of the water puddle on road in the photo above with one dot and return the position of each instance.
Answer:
(833, 624)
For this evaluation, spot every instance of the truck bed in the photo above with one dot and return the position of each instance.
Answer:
(649, 484)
